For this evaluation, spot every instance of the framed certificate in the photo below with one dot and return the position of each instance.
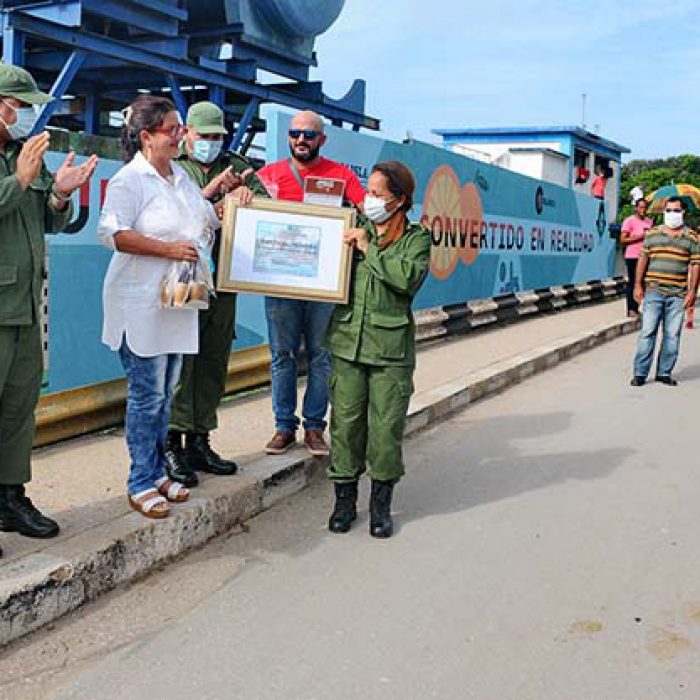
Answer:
(285, 249)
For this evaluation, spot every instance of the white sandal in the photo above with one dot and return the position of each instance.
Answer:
(174, 491)
(154, 506)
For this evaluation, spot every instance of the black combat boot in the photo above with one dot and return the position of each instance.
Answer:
(19, 514)
(200, 456)
(345, 509)
(176, 463)
(380, 522)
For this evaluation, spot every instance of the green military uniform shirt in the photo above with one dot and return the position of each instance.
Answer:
(25, 216)
(372, 341)
(376, 326)
(203, 177)
(203, 376)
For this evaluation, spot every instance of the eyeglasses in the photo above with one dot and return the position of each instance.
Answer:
(309, 134)
(171, 131)
(670, 210)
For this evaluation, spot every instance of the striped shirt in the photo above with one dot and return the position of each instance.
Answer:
(669, 258)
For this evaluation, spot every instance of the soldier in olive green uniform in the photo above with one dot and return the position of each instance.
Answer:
(32, 202)
(372, 344)
(203, 376)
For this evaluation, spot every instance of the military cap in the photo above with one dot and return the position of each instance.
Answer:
(206, 118)
(18, 83)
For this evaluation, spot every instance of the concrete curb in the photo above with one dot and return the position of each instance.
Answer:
(42, 587)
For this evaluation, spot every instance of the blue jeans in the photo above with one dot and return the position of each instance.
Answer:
(151, 383)
(659, 309)
(287, 321)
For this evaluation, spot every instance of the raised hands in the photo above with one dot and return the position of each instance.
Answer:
(70, 177)
(31, 158)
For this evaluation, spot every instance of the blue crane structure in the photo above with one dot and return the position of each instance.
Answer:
(94, 56)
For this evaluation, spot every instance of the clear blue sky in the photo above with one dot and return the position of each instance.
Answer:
(462, 63)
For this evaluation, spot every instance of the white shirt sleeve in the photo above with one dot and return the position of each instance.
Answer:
(120, 210)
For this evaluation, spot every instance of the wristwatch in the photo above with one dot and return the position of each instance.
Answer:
(60, 197)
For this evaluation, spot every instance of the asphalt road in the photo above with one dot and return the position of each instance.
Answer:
(546, 549)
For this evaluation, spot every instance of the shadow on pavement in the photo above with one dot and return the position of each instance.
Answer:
(482, 461)
(688, 373)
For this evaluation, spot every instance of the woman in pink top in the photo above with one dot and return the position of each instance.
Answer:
(634, 229)
(598, 185)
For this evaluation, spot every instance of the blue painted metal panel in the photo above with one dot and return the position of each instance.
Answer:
(12, 45)
(135, 55)
(250, 111)
(157, 18)
(177, 95)
(69, 14)
(507, 133)
(536, 235)
(59, 88)
(92, 114)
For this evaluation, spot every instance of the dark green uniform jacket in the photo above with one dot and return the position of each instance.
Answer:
(376, 327)
(24, 218)
(239, 163)
(203, 376)
(372, 343)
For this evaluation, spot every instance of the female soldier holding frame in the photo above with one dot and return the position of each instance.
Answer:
(372, 345)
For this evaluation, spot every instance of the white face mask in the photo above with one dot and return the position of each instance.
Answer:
(206, 151)
(375, 209)
(26, 117)
(673, 219)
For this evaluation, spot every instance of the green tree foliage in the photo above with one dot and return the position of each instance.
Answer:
(652, 174)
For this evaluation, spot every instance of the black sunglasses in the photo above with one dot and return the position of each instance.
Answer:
(309, 134)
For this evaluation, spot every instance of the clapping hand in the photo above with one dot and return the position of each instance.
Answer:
(70, 177)
(31, 158)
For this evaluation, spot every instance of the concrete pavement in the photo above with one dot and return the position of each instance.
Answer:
(104, 544)
(546, 550)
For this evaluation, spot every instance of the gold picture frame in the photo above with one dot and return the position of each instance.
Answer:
(285, 249)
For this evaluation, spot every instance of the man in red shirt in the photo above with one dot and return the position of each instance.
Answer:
(290, 319)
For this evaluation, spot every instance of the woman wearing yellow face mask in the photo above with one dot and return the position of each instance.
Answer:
(372, 344)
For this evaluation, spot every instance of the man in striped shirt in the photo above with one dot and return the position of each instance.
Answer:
(667, 281)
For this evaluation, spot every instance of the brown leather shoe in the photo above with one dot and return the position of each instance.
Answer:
(280, 443)
(315, 443)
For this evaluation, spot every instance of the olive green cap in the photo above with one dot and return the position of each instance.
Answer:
(206, 118)
(16, 82)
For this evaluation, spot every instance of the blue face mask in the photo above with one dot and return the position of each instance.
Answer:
(26, 117)
(206, 151)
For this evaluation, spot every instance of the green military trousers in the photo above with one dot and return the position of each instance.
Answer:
(369, 404)
(21, 368)
(203, 376)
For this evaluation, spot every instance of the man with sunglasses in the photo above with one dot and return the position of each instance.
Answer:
(32, 201)
(216, 172)
(667, 281)
(288, 320)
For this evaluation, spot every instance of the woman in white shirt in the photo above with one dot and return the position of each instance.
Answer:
(152, 214)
